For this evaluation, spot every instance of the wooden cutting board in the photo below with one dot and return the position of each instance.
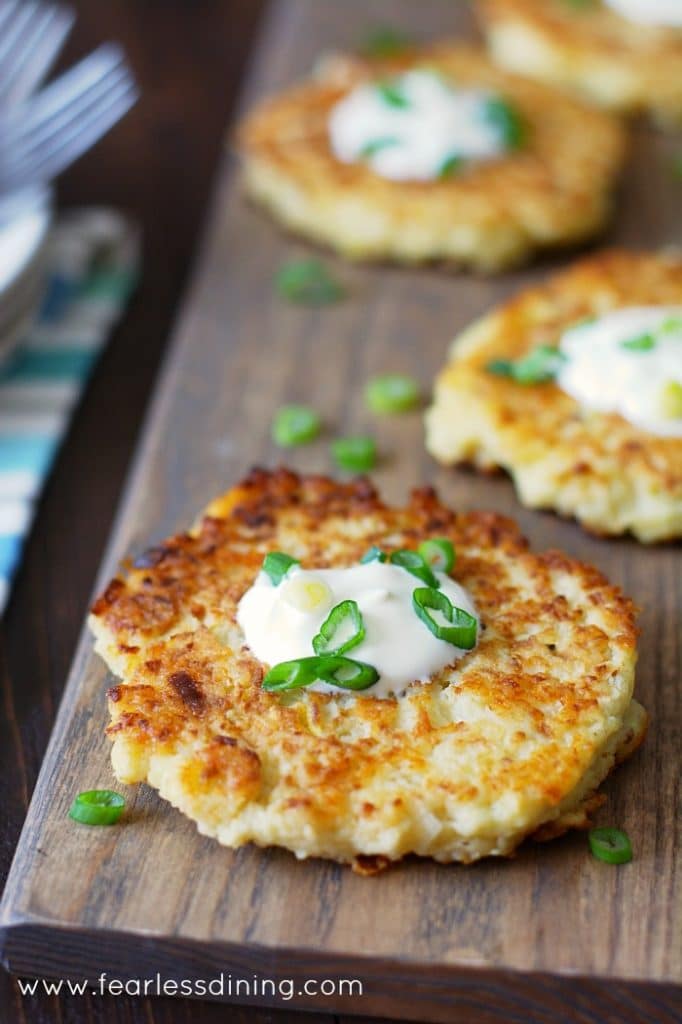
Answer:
(552, 935)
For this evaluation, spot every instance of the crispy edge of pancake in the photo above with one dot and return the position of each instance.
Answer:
(620, 65)
(162, 711)
(554, 191)
(608, 473)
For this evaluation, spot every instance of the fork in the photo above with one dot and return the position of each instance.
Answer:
(31, 35)
(42, 136)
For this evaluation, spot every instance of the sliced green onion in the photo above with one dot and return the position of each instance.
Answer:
(392, 392)
(507, 122)
(334, 669)
(461, 628)
(392, 94)
(97, 807)
(610, 845)
(356, 454)
(414, 563)
(671, 399)
(673, 325)
(538, 366)
(438, 553)
(642, 343)
(276, 564)
(295, 424)
(373, 554)
(308, 282)
(344, 620)
(376, 145)
(384, 41)
(450, 166)
(290, 675)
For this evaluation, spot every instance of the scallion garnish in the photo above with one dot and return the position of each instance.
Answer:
(334, 669)
(438, 553)
(373, 554)
(459, 628)
(376, 145)
(392, 94)
(540, 365)
(276, 565)
(414, 563)
(610, 845)
(341, 631)
(507, 122)
(450, 166)
(355, 454)
(97, 807)
(642, 343)
(308, 282)
(671, 400)
(673, 325)
(294, 425)
(392, 392)
(385, 41)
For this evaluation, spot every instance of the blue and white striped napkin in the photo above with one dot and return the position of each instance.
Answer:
(93, 260)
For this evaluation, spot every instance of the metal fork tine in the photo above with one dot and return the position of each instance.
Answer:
(31, 58)
(79, 106)
(65, 89)
(70, 145)
(21, 16)
(7, 12)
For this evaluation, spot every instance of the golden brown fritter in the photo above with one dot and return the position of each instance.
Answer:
(554, 190)
(518, 735)
(608, 473)
(590, 49)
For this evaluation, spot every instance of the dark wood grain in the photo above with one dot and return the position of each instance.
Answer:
(498, 942)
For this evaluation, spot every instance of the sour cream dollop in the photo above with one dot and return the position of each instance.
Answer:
(428, 123)
(650, 12)
(279, 626)
(628, 361)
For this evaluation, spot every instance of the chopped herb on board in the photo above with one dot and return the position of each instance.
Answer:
(384, 41)
(308, 282)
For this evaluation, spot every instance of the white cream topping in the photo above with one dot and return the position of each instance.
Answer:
(279, 622)
(603, 373)
(650, 12)
(414, 141)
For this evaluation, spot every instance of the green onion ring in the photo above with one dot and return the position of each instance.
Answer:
(276, 565)
(462, 632)
(346, 611)
(328, 668)
(392, 393)
(611, 845)
(373, 554)
(354, 454)
(295, 424)
(97, 807)
(438, 553)
(413, 562)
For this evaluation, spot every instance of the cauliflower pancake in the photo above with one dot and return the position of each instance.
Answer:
(610, 474)
(590, 49)
(554, 189)
(515, 739)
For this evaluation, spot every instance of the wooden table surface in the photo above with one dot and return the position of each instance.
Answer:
(188, 57)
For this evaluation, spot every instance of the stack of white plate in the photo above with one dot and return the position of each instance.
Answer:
(24, 233)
